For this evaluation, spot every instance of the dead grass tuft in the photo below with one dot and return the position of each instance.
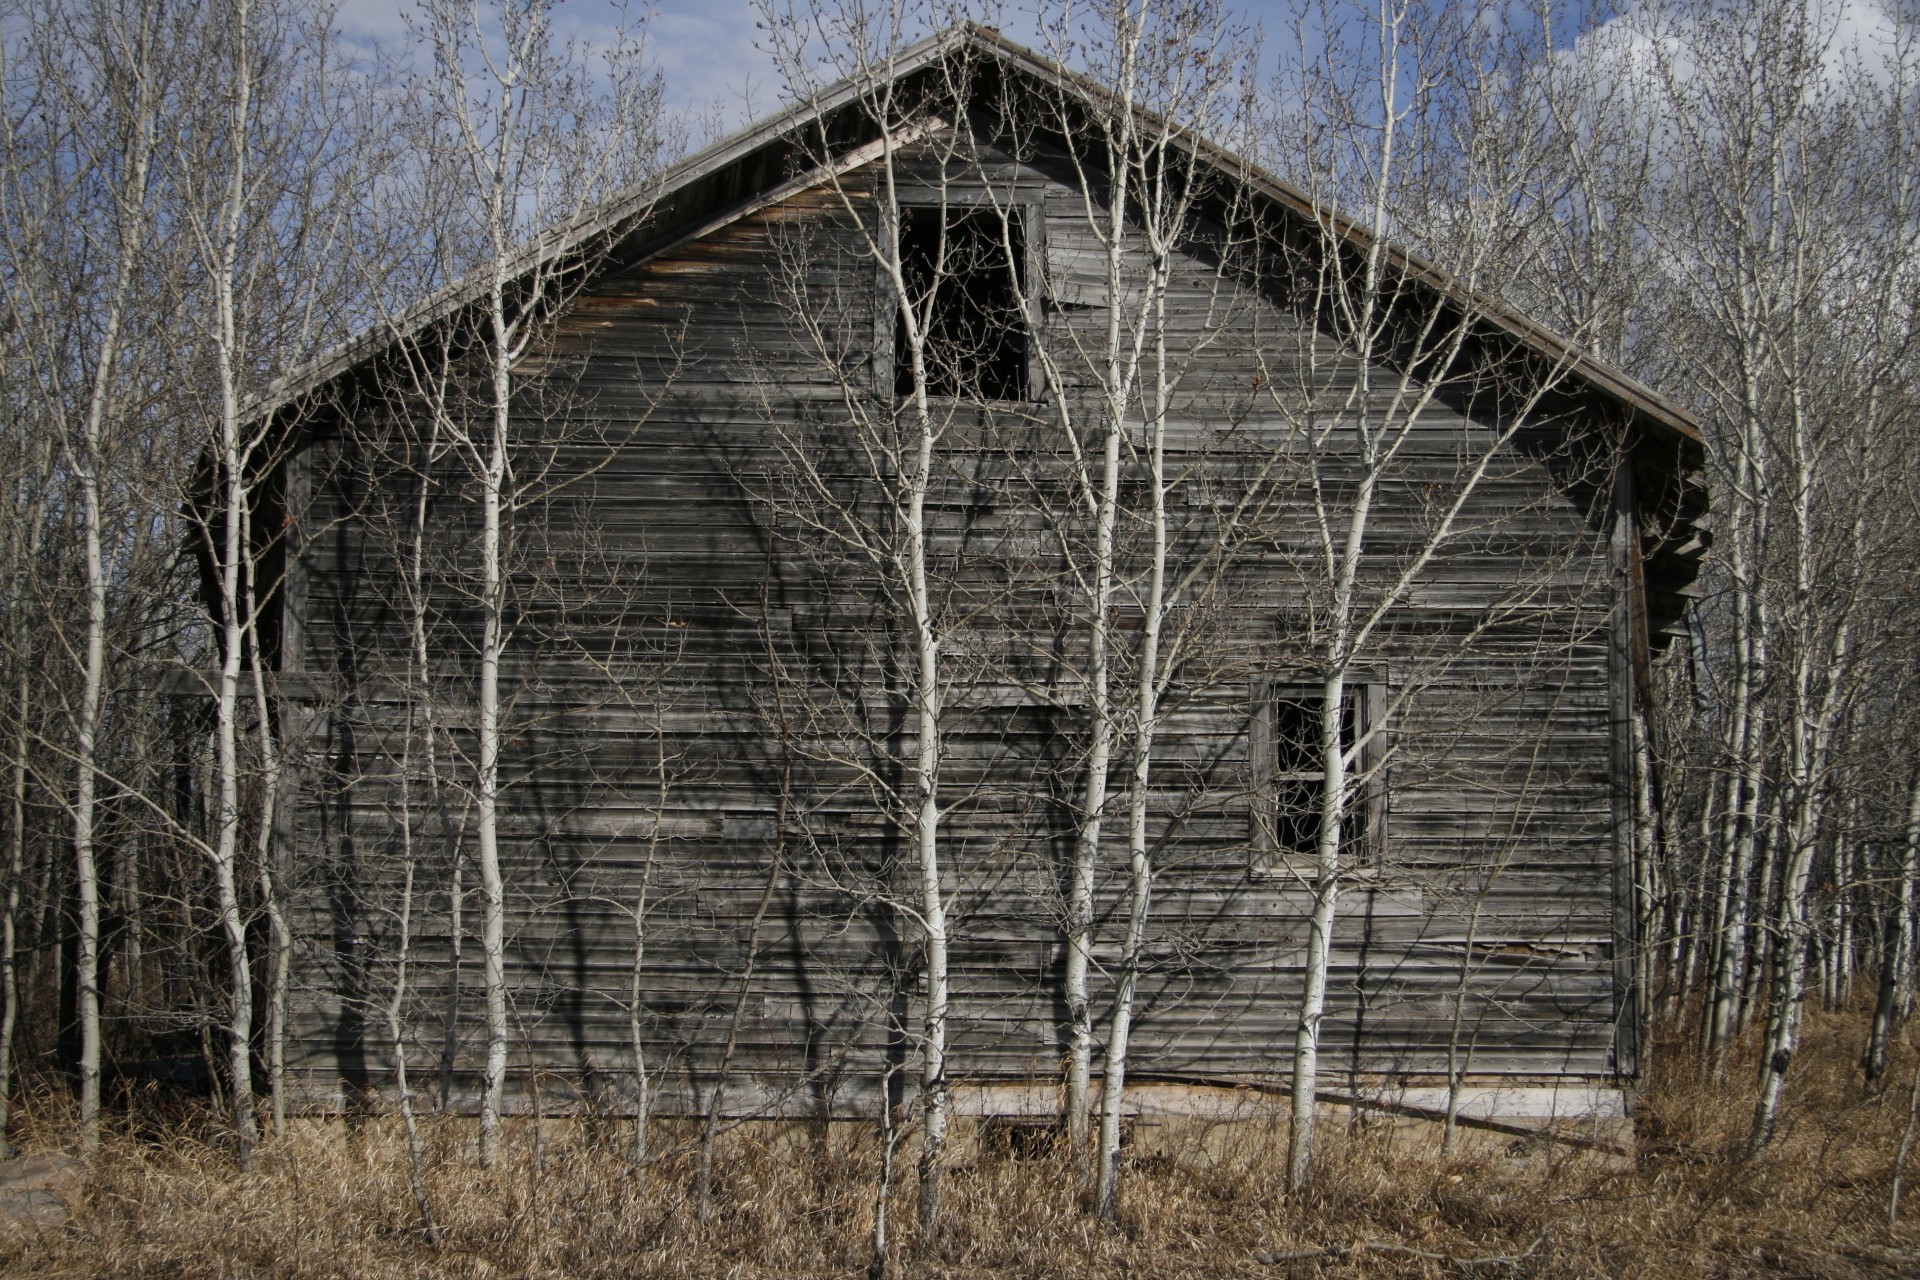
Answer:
(331, 1199)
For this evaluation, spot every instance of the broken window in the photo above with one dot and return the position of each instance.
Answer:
(963, 270)
(1291, 779)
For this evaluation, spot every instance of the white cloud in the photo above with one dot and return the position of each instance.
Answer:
(1648, 44)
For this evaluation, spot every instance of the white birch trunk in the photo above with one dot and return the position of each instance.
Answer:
(927, 696)
(487, 773)
(30, 503)
(1908, 900)
(1145, 725)
(1818, 703)
(227, 815)
(279, 933)
(1746, 738)
(86, 875)
(636, 1037)
(396, 1003)
(1326, 891)
(1116, 388)
(1093, 801)
(86, 457)
(236, 624)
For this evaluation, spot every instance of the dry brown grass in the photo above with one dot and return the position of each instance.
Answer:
(331, 1200)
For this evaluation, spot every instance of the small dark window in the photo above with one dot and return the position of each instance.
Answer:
(1298, 774)
(963, 269)
(1290, 779)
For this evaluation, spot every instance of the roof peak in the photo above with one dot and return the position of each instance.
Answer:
(621, 215)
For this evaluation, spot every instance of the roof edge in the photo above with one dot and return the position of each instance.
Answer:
(623, 213)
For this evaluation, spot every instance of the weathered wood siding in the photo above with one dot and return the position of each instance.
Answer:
(672, 606)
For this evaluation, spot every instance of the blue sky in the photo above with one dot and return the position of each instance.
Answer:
(718, 70)
(708, 49)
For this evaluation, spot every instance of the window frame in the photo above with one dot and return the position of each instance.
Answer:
(1363, 834)
(1026, 207)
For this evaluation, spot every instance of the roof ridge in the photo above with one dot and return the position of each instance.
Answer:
(631, 205)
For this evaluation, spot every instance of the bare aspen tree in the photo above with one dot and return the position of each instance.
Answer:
(1896, 945)
(23, 551)
(408, 473)
(27, 218)
(408, 468)
(900, 430)
(396, 1003)
(220, 246)
(1164, 80)
(538, 141)
(1378, 104)
(264, 204)
(1787, 155)
(641, 904)
(105, 73)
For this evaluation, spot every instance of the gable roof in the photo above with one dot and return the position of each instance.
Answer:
(780, 155)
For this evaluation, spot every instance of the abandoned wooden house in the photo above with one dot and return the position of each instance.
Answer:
(704, 724)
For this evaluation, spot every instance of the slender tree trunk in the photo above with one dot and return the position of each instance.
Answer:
(1741, 834)
(934, 1098)
(1820, 683)
(1116, 387)
(1908, 902)
(926, 696)
(86, 874)
(396, 1004)
(87, 457)
(1146, 714)
(31, 505)
(487, 806)
(279, 934)
(450, 1021)
(1874, 1061)
(1326, 889)
(883, 1181)
(233, 554)
(717, 1098)
(636, 1037)
(1327, 864)
(1767, 854)
(1093, 802)
(226, 840)
(1792, 938)
(1906, 1145)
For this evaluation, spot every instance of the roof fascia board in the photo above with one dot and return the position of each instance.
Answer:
(1615, 383)
(818, 176)
(619, 215)
(612, 219)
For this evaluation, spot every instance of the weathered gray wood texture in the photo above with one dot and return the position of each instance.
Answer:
(680, 600)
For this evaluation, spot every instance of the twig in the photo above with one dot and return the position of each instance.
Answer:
(1358, 1247)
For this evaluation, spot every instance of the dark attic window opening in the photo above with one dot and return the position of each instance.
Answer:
(976, 334)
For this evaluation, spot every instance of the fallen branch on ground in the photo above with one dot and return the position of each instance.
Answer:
(1357, 1247)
